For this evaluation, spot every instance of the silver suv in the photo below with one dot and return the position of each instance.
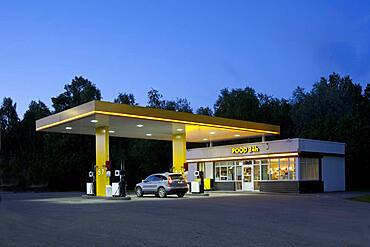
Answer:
(162, 184)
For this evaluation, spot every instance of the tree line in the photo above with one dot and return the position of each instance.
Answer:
(335, 109)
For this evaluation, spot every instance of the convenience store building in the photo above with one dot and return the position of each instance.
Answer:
(290, 165)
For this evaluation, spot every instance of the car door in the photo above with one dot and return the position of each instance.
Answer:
(162, 181)
(156, 182)
(149, 184)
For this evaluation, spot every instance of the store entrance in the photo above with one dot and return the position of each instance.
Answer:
(247, 177)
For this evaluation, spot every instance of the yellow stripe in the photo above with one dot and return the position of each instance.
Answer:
(155, 119)
(260, 156)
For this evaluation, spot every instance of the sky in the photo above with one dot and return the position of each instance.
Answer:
(185, 49)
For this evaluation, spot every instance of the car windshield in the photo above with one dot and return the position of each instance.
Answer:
(176, 177)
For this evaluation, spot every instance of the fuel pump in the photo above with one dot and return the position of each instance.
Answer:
(91, 184)
(119, 188)
(201, 185)
(197, 186)
(122, 181)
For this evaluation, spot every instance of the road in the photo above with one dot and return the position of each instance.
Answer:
(65, 219)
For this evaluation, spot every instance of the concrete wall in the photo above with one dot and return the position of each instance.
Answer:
(333, 173)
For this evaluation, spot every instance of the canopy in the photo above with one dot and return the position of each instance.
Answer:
(150, 123)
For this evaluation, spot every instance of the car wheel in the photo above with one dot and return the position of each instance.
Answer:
(161, 192)
(181, 194)
(139, 191)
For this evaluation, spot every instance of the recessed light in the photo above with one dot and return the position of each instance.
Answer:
(148, 134)
(179, 129)
(212, 133)
(205, 139)
(139, 125)
(236, 135)
(68, 128)
(111, 131)
(94, 121)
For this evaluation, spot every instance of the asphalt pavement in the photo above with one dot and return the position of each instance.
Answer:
(222, 219)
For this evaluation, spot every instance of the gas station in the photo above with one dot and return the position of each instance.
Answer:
(104, 119)
(290, 165)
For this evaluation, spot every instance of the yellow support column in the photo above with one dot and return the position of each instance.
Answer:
(102, 155)
(178, 152)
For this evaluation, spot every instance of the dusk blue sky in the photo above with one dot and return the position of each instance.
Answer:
(186, 49)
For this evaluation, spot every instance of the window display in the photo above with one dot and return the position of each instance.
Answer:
(284, 169)
(274, 169)
(265, 169)
(292, 168)
(225, 171)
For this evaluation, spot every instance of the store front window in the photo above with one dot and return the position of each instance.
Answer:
(230, 172)
(274, 169)
(284, 169)
(256, 175)
(292, 169)
(309, 168)
(255, 171)
(225, 171)
(263, 170)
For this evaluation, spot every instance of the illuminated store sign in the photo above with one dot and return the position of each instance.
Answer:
(245, 150)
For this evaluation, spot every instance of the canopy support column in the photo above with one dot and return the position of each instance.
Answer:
(102, 155)
(178, 152)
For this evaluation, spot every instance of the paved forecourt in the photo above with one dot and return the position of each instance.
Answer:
(65, 219)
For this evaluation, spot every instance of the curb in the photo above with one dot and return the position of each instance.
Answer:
(106, 198)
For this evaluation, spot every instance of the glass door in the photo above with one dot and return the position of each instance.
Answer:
(239, 176)
(247, 177)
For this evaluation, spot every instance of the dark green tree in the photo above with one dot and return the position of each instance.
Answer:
(246, 104)
(124, 98)
(183, 105)
(79, 91)
(276, 111)
(328, 110)
(73, 155)
(32, 154)
(9, 122)
(9, 142)
(204, 111)
(242, 104)
(155, 99)
(36, 110)
(8, 114)
(335, 110)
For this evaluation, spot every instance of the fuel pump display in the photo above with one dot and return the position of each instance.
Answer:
(90, 185)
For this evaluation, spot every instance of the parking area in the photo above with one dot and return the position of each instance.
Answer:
(251, 219)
